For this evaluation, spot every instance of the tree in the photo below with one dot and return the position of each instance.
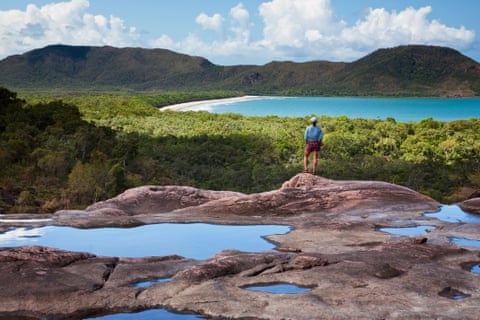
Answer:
(10, 107)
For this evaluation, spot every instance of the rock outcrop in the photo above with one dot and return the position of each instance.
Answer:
(304, 193)
(124, 209)
(472, 204)
(336, 248)
(307, 193)
(157, 199)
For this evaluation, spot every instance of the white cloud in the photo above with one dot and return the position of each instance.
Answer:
(296, 23)
(382, 28)
(61, 22)
(214, 22)
(231, 45)
(240, 23)
(240, 14)
(163, 41)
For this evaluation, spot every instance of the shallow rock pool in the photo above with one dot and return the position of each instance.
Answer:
(144, 284)
(278, 288)
(465, 242)
(408, 231)
(453, 213)
(155, 314)
(475, 268)
(191, 240)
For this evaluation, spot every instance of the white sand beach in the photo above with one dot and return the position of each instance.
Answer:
(181, 106)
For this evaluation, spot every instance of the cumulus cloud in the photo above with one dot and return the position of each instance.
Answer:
(382, 28)
(61, 22)
(240, 14)
(214, 22)
(233, 43)
(296, 23)
(240, 23)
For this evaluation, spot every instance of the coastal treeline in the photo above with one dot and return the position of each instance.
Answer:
(74, 151)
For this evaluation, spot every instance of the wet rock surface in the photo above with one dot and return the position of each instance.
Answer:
(335, 248)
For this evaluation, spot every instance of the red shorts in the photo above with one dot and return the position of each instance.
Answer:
(312, 146)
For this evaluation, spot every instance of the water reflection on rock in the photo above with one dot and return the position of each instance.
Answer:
(192, 240)
(144, 284)
(408, 231)
(475, 268)
(278, 288)
(453, 293)
(156, 314)
(454, 214)
(465, 242)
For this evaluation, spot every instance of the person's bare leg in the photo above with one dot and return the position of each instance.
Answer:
(315, 162)
(305, 161)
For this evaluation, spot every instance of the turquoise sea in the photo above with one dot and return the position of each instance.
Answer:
(401, 109)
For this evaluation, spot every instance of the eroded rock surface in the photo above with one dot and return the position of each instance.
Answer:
(472, 204)
(124, 210)
(400, 280)
(155, 199)
(45, 282)
(307, 193)
(335, 248)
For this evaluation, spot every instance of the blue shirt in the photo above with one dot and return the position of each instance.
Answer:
(313, 133)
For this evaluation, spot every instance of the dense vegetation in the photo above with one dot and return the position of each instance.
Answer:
(413, 70)
(81, 149)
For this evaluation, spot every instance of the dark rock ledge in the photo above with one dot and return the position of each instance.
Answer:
(335, 248)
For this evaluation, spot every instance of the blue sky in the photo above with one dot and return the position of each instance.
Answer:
(243, 32)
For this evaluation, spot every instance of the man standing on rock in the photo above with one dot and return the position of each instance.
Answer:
(313, 138)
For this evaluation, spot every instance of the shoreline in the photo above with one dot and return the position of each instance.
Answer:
(184, 105)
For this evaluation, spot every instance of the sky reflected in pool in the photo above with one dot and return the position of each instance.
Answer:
(453, 213)
(144, 284)
(193, 240)
(408, 231)
(279, 288)
(158, 314)
(465, 242)
(475, 268)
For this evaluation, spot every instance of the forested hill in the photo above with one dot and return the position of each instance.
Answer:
(402, 71)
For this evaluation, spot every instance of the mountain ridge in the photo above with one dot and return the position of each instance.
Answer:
(412, 70)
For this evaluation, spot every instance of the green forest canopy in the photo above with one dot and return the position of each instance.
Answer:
(74, 151)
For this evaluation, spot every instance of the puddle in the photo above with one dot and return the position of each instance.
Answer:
(25, 220)
(460, 296)
(465, 242)
(157, 314)
(454, 294)
(454, 214)
(279, 288)
(144, 284)
(475, 268)
(408, 231)
(194, 240)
